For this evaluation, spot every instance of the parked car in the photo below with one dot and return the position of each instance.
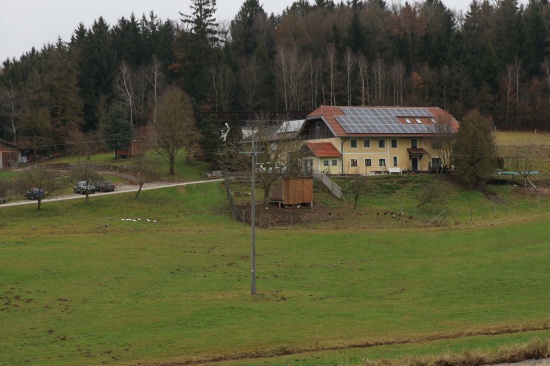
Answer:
(104, 186)
(34, 194)
(83, 187)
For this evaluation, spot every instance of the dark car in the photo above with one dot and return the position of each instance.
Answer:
(104, 186)
(83, 187)
(34, 194)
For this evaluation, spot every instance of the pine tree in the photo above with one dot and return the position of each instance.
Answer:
(196, 45)
(117, 131)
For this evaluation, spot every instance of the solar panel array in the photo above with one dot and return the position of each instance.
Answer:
(382, 120)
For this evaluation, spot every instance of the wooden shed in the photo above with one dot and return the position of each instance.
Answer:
(10, 155)
(293, 191)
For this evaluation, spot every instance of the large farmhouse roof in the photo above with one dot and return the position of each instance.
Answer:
(352, 121)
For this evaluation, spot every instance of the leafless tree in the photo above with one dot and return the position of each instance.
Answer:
(81, 144)
(379, 74)
(397, 74)
(146, 170)
(349, 61)
(524, 162)
(442, 142)
(433, 194)
(124, 84)
(223, 85)
(156, 80)
(41, 178)
(279, 154)
(331, 57)
(362, 64)
(175, 128)
(291, 73)
(8, 95)
(359, 187)
(86, 172)
(250, 80)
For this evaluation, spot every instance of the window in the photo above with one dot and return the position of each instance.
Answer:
(381, 143)
(436, 143)
(325, 162)
(395, 161)
(436, 162)
(381, 162)
(414, 143)
(408, 121)
(353, 143)
(335, 162)
(353, 162)
(368, 162)
(366, 143)
(419, 121)
(394, 143)
(434, 120)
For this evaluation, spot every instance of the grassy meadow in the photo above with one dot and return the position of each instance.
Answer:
(165, 280)
(86, 284)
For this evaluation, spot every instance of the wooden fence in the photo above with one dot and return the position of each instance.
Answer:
(334, 188)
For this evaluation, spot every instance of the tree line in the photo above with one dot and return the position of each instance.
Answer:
(494, 57)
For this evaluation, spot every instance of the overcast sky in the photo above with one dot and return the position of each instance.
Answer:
(28, 23)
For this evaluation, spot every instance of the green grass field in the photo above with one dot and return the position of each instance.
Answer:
(83, 285)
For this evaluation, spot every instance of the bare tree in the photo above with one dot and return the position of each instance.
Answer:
(86, 172)
(524, 162)
(433, 194)
(349, 60)
(331, 57)
(281, 157)
(442, 140)
(291, 74)
(363, 64)
(250, 79)
(359, 187)
(9, 96)
(41, 178)
(156, 79)
(223, 85)
(124, 84)
(146, 170)
(397, 74)
(175, 128)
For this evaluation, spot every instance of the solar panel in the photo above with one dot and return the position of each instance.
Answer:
(383, 120)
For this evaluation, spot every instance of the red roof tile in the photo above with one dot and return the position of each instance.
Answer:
(323, 150)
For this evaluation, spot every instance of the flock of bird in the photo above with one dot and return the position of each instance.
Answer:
(396, 216)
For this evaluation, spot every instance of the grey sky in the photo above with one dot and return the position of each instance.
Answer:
(28, 23)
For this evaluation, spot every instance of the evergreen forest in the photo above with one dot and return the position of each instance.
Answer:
(494, 57)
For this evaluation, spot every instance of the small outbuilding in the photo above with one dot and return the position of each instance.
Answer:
(10, 155)
(293, 191)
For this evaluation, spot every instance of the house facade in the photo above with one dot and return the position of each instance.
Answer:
(10, 155)
(375, 140)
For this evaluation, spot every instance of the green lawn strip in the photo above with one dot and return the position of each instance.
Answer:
(182, 291)
(357, 356)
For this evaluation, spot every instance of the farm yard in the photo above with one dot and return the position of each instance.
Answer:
(165, 280)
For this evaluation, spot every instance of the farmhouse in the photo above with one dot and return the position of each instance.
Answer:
(375, 140)
(10, 155)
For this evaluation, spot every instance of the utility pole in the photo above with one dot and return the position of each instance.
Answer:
(254, 153)
(253, 219)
